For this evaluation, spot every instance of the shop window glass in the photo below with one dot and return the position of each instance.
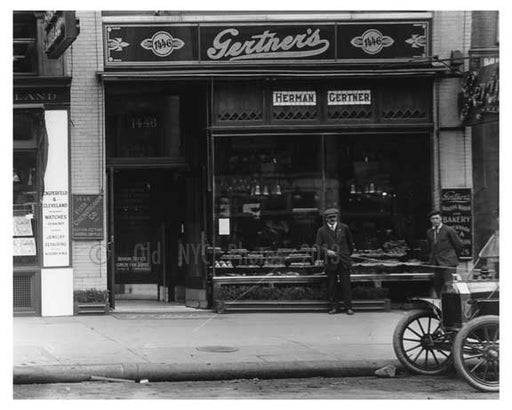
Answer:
(143, 126)
(382, 186)
(268, 198)
(24, 127)
(25, 208)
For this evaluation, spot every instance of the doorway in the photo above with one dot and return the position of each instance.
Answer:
(146, 226)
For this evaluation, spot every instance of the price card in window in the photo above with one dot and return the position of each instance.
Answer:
(22, 226)
(224, 226)
(24, 246)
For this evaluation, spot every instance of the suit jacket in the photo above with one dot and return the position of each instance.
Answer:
(446, 250)
(339, 241)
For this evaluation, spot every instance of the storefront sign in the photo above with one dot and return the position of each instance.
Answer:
(349, 97)
(61, 28)
(88, 217)
(56, 228)
(42, 95)
(259, 43)
(172, 44)
(293, 98)
(457, 213)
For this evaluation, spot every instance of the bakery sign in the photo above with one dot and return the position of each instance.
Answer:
(210, 43)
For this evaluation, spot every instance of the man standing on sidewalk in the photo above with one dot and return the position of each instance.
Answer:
(444, 247)
(334, 244)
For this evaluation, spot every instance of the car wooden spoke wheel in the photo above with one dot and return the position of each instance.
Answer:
(421, 343)
(476, 351)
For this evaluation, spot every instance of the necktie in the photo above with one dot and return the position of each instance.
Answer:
(436, 232)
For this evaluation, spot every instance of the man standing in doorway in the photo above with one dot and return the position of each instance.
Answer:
(444, 247)
(334, 244)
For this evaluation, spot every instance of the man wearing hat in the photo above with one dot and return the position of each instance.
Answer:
(444, 246)
(334, 244)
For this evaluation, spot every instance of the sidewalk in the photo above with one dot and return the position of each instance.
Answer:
(190, 344)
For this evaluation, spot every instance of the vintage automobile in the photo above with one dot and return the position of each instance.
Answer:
(461, 328)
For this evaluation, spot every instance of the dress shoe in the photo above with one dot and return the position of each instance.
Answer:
(333, 311)
(349, 312)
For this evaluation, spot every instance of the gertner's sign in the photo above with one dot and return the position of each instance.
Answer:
(209, 43)
(267, 45)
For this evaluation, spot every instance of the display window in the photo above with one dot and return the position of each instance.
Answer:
(270, 192)
(25, 209)
(27, 161)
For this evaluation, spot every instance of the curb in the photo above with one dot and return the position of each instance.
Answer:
(161, 372)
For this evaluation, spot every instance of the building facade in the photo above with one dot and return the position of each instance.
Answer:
(204, 147)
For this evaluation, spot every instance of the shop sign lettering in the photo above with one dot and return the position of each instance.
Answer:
(372, 41)
(293, 98)
(55, 214)
(266, 45)
(457, 213)
(349, 97)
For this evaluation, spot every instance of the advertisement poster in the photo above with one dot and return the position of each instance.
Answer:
(457, 213)
(56, 228)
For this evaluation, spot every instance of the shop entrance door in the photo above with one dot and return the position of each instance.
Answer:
(146, 223)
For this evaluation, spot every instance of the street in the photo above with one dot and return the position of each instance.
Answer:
(402, 387)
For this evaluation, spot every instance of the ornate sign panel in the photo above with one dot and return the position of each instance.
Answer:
(200, 43)
(383, 40)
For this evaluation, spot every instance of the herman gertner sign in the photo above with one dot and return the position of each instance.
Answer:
(172, 44)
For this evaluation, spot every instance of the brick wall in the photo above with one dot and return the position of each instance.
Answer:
(87, 143)
(451, 31)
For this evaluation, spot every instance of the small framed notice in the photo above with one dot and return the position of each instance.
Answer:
(22, 226)
(24, 247)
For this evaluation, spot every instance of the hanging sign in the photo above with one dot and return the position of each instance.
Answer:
(457, 213)
(61, 28)
(88, 217)
(349, 97)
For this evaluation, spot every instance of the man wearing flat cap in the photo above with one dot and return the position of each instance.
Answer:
(334, 245)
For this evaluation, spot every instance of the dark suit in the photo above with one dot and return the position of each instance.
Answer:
(444, 249)
(337, 267)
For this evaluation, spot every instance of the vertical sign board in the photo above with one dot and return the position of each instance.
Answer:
(457, 213)
(55, 214)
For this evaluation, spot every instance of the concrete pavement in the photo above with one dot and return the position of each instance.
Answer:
(189, 344)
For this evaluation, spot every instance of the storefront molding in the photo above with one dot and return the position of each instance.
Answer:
(324, 129)
(194, 72)
(264, 17)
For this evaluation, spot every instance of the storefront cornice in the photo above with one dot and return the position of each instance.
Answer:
(266, 17)
(271, 72)
(39, 81)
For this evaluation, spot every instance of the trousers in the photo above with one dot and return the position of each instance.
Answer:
(339, 283)
(442, 275)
